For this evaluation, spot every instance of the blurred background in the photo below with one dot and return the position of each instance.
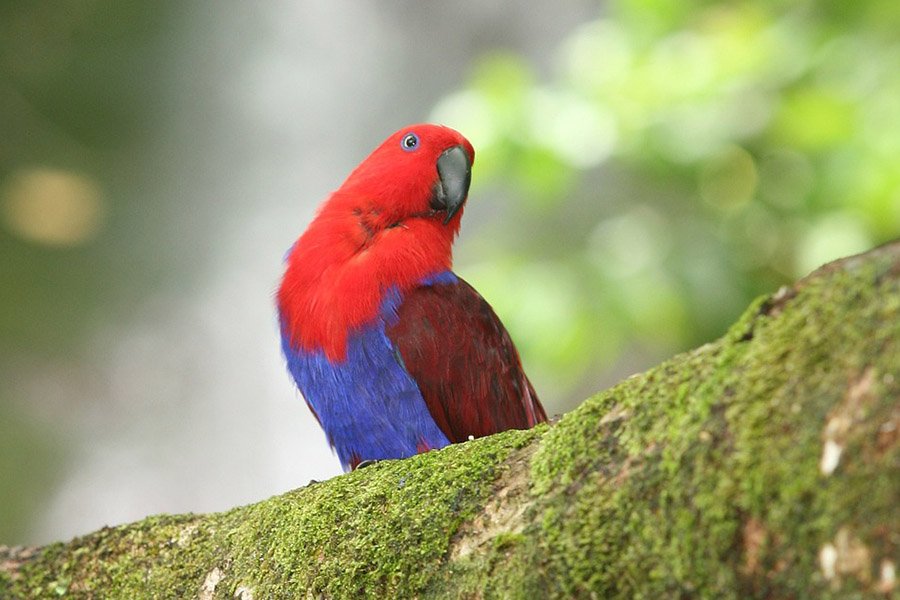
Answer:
(644, 169)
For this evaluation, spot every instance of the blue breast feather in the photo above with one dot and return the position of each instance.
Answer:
(368, 405)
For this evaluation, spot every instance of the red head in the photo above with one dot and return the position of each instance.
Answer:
(391, 223)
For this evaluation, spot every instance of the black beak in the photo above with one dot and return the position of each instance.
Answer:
(454, 175)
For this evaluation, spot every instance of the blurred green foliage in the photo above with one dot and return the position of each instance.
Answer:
(680, 159)
(31, 459)
(80, 95)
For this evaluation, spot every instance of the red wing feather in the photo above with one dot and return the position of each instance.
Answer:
(467, 368)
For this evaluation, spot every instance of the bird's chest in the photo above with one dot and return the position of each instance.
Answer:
(368, 405)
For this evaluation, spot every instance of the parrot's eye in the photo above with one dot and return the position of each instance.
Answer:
(409, 142)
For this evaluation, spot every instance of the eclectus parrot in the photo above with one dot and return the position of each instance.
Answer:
(394, 353)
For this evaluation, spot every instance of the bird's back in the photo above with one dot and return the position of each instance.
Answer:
(463, 361)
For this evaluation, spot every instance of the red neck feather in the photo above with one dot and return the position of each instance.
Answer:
(341, 267)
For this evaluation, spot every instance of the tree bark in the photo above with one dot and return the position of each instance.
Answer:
(764, 464)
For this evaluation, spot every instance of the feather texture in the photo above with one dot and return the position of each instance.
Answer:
(393, 353)
(368, 404)
(463, 360)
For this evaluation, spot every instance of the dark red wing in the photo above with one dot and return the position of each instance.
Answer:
(466, 366)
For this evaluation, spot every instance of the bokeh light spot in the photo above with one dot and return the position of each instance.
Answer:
(581, 133)
(52, 207)
(630, 243)
(470, 112)
(729, 180)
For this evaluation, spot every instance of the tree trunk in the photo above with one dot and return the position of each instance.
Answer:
(764, 464)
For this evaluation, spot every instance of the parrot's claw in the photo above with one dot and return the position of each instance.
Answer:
(365, 463)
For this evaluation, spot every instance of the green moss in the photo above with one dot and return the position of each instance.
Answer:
(357, 536)
(700, 478)
(379, 532)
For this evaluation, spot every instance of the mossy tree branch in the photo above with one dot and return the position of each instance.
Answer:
(764, 464)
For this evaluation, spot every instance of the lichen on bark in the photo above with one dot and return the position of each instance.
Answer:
(761, 465)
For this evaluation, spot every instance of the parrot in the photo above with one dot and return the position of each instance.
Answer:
(393, 352)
